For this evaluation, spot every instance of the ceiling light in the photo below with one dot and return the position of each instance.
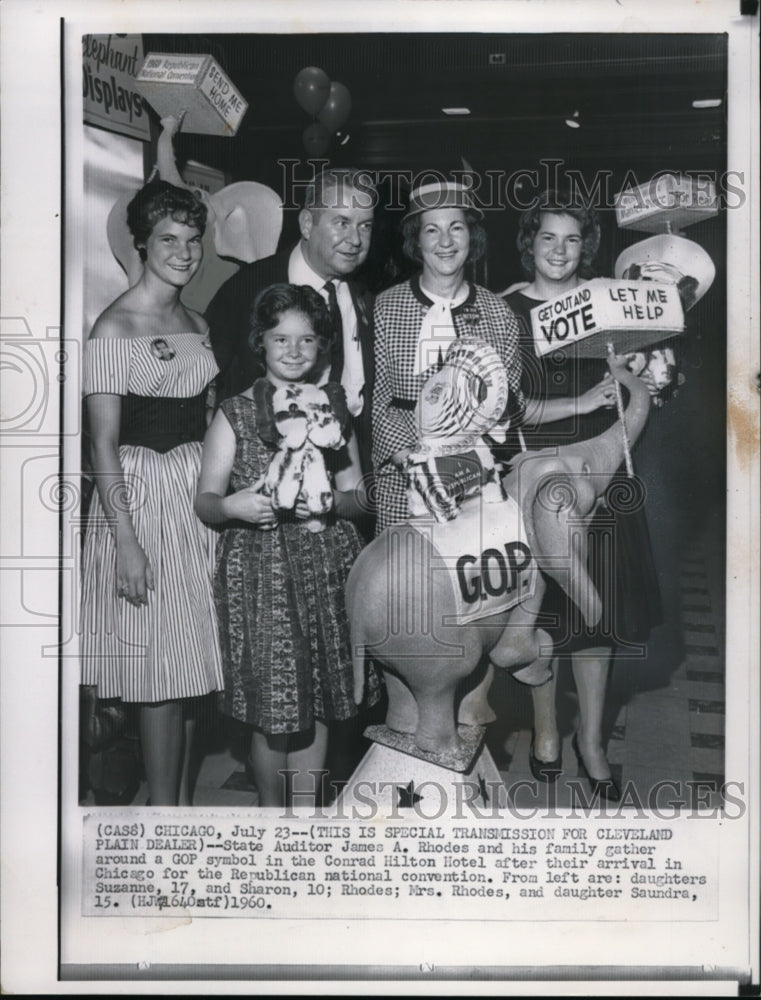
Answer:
(574, 121)
(712, 102)
(456, 111)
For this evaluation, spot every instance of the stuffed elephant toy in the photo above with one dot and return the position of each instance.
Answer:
(410, 609)
(307, 425)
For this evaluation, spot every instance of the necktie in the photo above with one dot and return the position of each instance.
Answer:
(337, 347)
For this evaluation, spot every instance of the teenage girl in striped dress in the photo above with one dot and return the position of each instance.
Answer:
(148, 619)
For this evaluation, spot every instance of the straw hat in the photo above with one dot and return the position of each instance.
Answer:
(440, 194)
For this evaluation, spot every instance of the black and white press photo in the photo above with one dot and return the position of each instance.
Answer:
(381, 481)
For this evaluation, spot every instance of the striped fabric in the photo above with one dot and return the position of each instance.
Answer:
(168, 648)
(130, 364)
(399, 312)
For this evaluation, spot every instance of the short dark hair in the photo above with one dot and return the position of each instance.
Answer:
(559, 203)
(157, 200)
(270, 304)
(411, 236)
(334, 179)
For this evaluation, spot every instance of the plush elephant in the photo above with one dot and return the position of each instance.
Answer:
(402, 603)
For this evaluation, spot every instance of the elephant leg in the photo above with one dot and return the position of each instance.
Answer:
(475, 709)
(436, 683)
(547, 742)
(536, 673)
(402, 714)
(436, 729)
(522, 648)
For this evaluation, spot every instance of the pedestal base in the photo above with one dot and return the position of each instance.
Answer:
(458, 759)
(399, 784)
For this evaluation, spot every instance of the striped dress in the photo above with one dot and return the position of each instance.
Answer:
(167, 649)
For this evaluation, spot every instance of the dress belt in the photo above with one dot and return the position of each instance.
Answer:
(162, 422)
(403, 404)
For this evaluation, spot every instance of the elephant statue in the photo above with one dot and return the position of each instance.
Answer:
(244, 222)
(411, 608)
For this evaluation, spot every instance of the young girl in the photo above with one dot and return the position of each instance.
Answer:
(279, 587)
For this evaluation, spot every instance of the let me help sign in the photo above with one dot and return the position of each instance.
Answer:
(631, 315)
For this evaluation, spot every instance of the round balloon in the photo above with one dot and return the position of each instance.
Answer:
(311, 88)
(336, 109)
(316, 139)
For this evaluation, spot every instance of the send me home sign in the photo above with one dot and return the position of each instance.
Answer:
(629, 314)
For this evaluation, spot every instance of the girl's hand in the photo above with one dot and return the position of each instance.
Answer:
(602, 394)
(252, 505)
(301, 511)
(134, 576)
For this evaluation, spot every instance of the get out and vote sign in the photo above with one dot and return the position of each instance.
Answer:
(630, 314)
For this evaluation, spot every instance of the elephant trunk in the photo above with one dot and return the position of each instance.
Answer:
(559, 488)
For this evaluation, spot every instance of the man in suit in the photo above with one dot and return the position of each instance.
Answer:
(336, 226)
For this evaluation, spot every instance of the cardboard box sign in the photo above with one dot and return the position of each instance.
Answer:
(194, 84)
(666, 200)
(630, 314)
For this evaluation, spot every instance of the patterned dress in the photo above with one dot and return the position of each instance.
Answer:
(168, 648)
(280, 600)
(399, 313)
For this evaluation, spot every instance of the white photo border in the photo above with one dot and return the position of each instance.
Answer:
(41, 241)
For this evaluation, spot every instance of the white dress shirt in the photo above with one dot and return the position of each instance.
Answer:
(353, 376)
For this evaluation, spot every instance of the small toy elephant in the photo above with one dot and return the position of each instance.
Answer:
(307, 423)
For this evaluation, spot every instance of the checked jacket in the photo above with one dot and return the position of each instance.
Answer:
(399, 312)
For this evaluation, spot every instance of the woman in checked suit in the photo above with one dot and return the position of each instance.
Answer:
(416, 321)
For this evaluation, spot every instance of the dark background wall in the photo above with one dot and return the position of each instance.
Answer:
(634, 97)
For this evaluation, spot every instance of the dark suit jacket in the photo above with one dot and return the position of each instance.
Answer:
(228, 315)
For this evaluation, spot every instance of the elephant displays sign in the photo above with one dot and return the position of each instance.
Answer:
(111, 99)
(629, 314)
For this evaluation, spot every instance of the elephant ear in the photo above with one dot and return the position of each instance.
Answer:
(558, 501)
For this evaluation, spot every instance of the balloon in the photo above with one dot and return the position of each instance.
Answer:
(336, 109)
(316, 139)
(311, 88)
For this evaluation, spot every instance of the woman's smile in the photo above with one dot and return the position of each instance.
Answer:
(173, 251)
(557, 247)
(444, 241)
